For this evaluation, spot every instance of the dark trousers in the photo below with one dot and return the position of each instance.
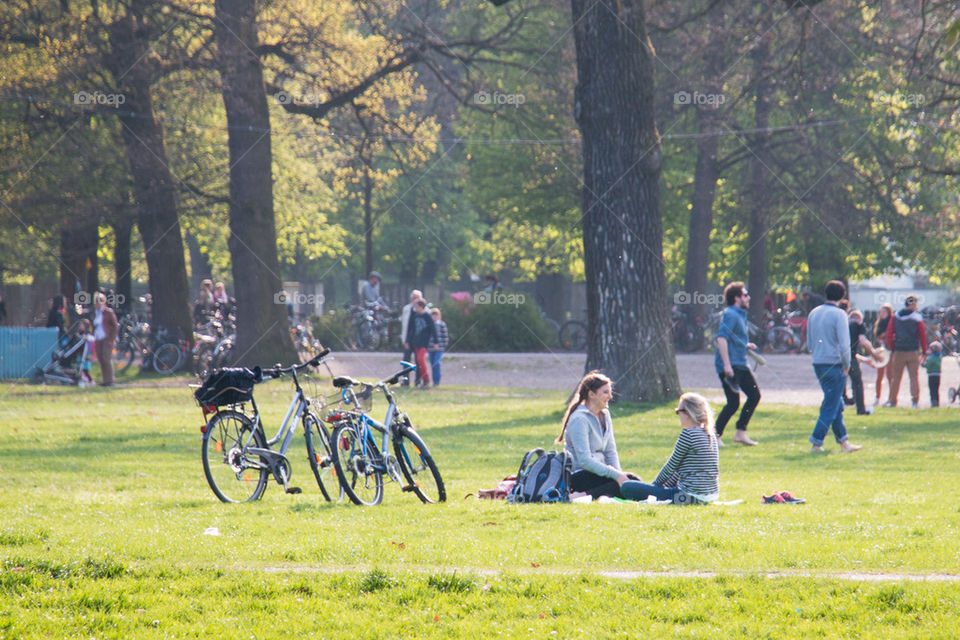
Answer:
(405, 380)
(748, 384)
(856, 383)
(933, 381)
(593, 484)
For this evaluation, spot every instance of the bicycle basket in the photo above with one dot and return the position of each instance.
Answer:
(226, 386)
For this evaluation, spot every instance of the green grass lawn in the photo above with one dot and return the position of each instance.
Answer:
(105, 506)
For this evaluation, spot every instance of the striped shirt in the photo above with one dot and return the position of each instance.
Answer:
(443, 336)
(694, 466)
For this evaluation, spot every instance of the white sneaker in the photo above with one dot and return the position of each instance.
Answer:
(869, 411)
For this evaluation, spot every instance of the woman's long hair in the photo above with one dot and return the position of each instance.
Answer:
(590, 382)
(876, 325)
(697, 407)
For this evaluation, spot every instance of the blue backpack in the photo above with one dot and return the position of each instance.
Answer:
(544, 476)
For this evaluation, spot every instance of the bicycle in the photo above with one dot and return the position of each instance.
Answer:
(237, 457)
(360, 464)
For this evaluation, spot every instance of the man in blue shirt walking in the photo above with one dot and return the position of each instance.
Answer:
(828, 337)
(731, 363)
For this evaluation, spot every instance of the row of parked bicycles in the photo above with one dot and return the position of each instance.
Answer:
(351, 454)
(214, 335)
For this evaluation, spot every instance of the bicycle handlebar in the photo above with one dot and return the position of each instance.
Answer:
(278, 370)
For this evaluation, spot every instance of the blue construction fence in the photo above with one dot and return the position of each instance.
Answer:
(25, 349)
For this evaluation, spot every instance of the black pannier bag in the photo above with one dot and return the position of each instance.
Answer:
(227, 386)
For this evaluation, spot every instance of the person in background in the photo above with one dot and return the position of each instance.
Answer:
(932, 365)
(879, 336)
(3, 310)
(220, 296)
(907, 341)
(421, 333)
(105, 328)
(730, 362)
(370, 292)
(491, 283)
(828, 332)
(440, 347)
(858, 339)
(86, 358)
(57, 316)
(415, 295)
(587, 435)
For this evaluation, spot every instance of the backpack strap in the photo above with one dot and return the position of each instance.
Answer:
(516, 494)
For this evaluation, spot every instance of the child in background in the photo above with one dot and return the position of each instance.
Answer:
(443, 341)
(932, 365)
(86, 360)
(421, 333)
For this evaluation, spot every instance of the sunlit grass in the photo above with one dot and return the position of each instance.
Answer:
(105, 508)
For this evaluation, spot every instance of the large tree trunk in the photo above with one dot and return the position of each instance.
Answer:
(758, 171)
(629, 329)
(200, 267)
(263, 336)
(705, 177)
(79, 238)
(153, 183)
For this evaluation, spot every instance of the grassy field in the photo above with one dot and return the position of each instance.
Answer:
(105, 506)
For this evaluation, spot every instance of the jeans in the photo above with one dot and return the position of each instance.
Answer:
(596, 486)
(435, 358)
(833, 382)
(748, 384)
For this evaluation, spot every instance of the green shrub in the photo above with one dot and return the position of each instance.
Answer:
(333, 329)
(512, 322)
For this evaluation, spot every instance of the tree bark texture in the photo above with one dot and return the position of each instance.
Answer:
(627, 308)
(758, 175)
(263, 335)
(153, 183)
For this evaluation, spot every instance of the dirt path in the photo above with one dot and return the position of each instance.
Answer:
(786, 379)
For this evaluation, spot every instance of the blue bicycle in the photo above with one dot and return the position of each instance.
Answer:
(361, 464)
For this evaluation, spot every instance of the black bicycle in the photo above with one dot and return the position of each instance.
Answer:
(238, 459)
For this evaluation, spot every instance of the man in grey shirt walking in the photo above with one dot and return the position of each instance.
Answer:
(828, 337)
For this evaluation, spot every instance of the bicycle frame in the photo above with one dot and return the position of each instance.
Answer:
(367, 425)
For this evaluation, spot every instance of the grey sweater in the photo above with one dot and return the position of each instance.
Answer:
(828, 335)
(593, 449)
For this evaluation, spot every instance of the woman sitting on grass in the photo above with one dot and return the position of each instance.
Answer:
(587, 434)
(691, 475)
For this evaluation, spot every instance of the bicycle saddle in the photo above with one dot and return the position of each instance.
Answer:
(341, 382)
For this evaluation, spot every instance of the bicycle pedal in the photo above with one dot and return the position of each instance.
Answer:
(294, 490)
(409, 487)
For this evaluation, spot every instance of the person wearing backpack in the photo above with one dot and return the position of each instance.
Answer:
(587, 435)
(691, 475)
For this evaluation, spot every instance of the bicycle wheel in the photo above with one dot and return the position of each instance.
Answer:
(233, 474)
(354, 465)
(321, 458)
(573, 335)
(123, 356)
(167, 358)
(418, 466)
(204, 361)
(780, 339)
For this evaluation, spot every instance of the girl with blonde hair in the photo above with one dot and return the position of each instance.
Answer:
(691, 475)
